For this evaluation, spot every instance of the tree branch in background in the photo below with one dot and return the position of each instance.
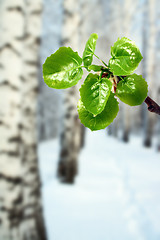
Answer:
(152, 105)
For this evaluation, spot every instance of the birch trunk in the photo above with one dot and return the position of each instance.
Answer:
(11, 30)
(33, 225)
(157, 72)
(20, 208)
(149, 65)
(116, 26)
(127, 21)
(48, 117)
(70, 139)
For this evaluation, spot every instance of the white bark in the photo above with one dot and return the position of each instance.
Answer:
(32, 227)
(19, 28)
(11, 30)
(71, 126)
(149, 64)
(127, 21)
(49, 99)
(157, 71)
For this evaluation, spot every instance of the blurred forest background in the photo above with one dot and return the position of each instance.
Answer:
(32, 113)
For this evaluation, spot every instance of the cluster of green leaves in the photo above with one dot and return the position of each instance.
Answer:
(98, 105)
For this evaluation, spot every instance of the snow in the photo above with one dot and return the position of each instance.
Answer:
(116, 195)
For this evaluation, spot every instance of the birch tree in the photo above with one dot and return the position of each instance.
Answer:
(157, 69)
(71, 128)
(126, 22)
(149, 37)
(33, 225)
(20, 198)
(10, 159)
(48, 117)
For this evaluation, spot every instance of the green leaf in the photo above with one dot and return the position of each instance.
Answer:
(62, 69)
(132, 90)
(89, 50)
(95, 68)
(103, 119)
(125, 57)
(95, 93)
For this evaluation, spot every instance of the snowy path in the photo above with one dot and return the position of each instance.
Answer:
(116, 195)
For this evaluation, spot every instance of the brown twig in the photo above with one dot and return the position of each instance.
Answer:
(152, 105)
(104, 74)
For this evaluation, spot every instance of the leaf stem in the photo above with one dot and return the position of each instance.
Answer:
(121, 78)
(100, 60)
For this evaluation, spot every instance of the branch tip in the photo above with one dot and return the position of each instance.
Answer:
(152, 105)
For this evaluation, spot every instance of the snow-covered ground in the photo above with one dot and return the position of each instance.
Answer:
(116, 195)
